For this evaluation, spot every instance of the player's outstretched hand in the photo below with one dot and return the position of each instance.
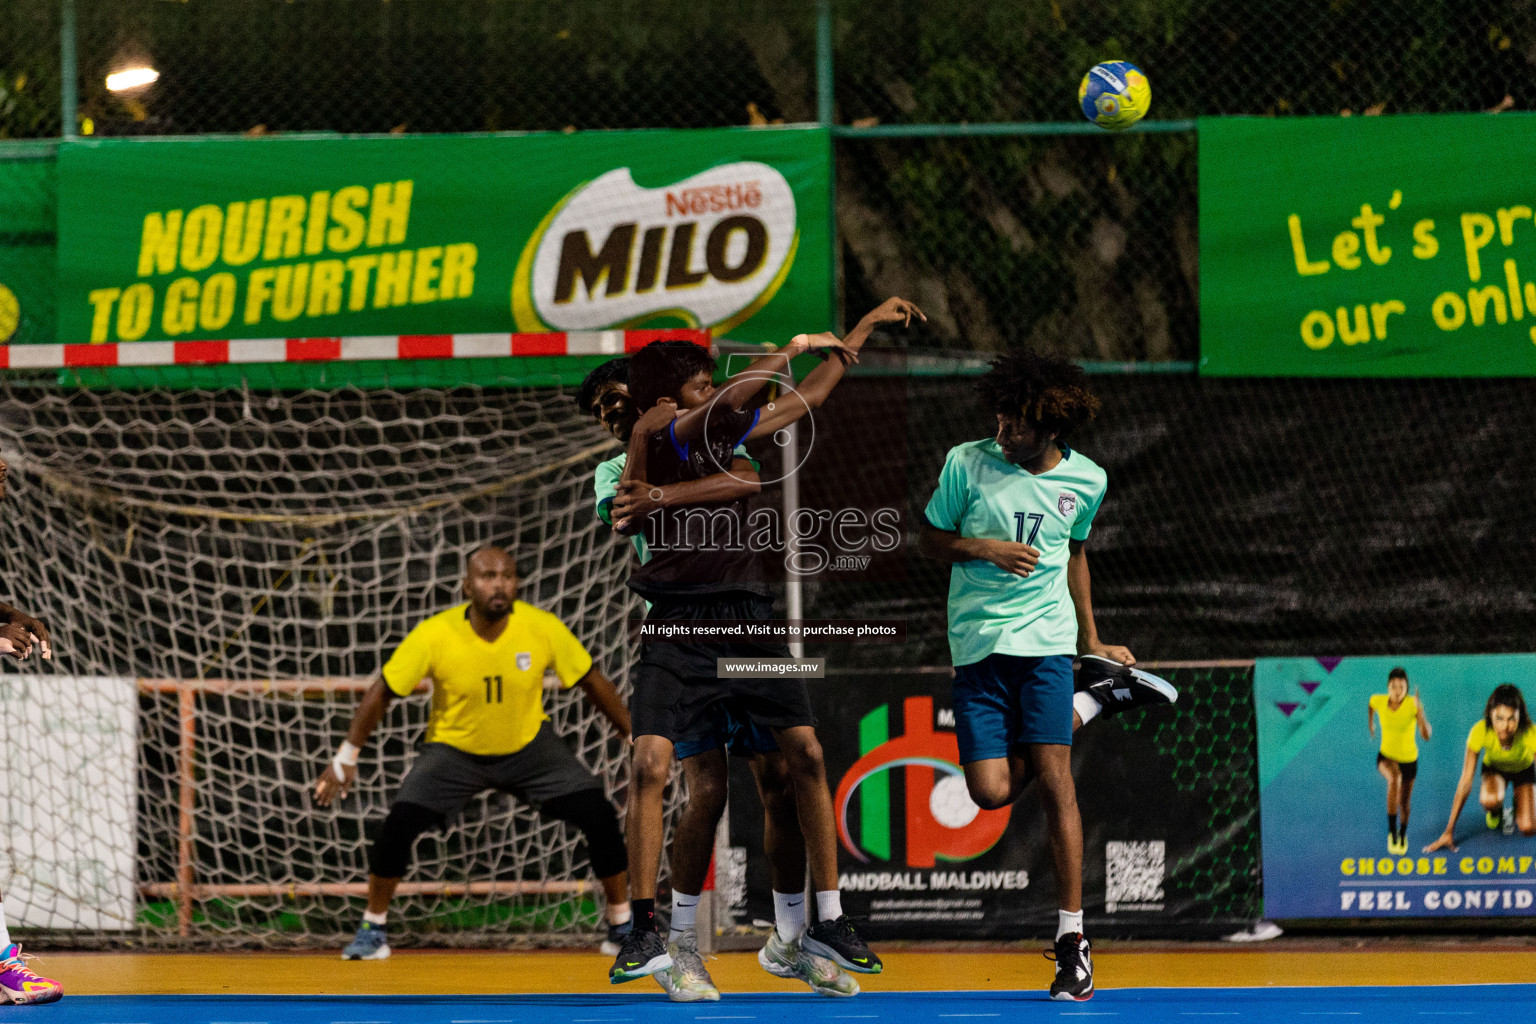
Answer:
(1011, 556)
(634, 498)
(1114, 652)
(15, 641)
(657, 418)
(894, 309)
(827, 342)
(1445, 842)
(328, 787)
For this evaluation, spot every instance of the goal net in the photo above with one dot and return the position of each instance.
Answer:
(239, 563)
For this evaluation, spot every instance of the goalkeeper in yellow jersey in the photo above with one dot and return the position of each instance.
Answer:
(488, 730)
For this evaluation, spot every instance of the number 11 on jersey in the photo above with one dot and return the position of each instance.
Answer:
(1019, 519)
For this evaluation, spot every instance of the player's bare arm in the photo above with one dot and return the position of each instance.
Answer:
(1080, 585)
(1447, 840)
(23, 630)
(738, 389)
(655, 420)
(605, 697)
(1370, 719)
(817, 386)
(1424, 728)
(948, 546)
(338, 777)
(637, 498)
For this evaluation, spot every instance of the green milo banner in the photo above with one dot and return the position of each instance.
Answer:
(183, 239)
(1368, 246)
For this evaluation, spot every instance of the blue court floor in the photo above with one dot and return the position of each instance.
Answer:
(1505, 1004)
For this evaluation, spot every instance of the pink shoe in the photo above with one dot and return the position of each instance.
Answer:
(20, 984)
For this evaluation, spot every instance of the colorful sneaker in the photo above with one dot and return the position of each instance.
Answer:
(788, 960)
(370, 943)
(20, 984)
(1074, 968)
(1119, 688)
(1495, 819)
(687, 981)
(641, 953)
(615, 940)
(840, 942)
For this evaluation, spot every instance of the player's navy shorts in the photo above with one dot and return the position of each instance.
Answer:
(677, 690)
(1005, 701)
(739, 736)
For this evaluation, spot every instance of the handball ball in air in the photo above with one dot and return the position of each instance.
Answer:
(1115, 95)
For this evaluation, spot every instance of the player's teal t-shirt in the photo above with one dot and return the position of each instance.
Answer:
(983, 495)
(605, 482)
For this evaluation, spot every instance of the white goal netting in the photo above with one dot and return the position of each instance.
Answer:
(243, 561)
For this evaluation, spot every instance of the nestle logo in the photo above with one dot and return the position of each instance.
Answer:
(746, 195)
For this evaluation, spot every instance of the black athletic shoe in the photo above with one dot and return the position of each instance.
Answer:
(1074, 968)
(839, 941)
(642, 953)
(1119, 688)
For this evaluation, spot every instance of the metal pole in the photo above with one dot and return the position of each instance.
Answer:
(794, 606)
(824, 112)
(69, 72)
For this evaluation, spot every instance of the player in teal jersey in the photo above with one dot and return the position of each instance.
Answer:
(605, 394)
(1012, 513)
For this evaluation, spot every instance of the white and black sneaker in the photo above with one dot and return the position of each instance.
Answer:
(1118, 687)
(1074, 968)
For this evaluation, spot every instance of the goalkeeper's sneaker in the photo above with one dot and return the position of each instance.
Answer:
(1074, 968)
(839, 941)
(370, 943)
(642, 953)
(1118, 687)
(20, 984)
(788, 960)
(687, 981)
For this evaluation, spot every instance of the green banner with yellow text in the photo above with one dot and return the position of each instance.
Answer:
(185, 239)
(1368, 246)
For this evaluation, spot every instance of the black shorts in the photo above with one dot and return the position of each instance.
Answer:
(445, 778)
(1409, 769)
(1524, 777)
(678, 693)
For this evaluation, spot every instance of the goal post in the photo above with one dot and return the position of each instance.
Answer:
(239, 560)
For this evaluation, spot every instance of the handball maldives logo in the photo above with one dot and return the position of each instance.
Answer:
(942, 822)
(708, 251)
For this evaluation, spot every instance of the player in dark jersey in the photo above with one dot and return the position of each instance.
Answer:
(605, 395)
(702, 570)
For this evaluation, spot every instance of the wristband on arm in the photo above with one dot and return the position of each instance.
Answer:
(345, 757)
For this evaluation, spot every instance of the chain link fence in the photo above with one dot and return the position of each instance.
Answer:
(1080, 244)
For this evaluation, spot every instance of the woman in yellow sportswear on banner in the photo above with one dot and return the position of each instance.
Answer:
(1398, 758)
(1505, 743)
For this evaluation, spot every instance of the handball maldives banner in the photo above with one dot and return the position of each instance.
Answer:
(918, 859)
(1398, 246)
(186, 239)
(1323, 778)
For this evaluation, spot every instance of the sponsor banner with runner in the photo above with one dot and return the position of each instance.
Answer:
(185, 239)
(1342, 745)
(918, 859)
(1398, 246)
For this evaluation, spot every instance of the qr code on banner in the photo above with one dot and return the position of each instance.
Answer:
(1133, 875)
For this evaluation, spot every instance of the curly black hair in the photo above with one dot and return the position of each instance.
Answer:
(1051, 394)
(662, 368)
(614, 371)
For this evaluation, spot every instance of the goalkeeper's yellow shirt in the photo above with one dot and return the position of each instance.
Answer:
(487, 698)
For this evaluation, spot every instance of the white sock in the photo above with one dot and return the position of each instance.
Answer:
(685, 912)
(1069, 921)
(1085, 706)
(789, 914)
(618, 913)
(829, 905)
(377, 920)
(5, 932)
